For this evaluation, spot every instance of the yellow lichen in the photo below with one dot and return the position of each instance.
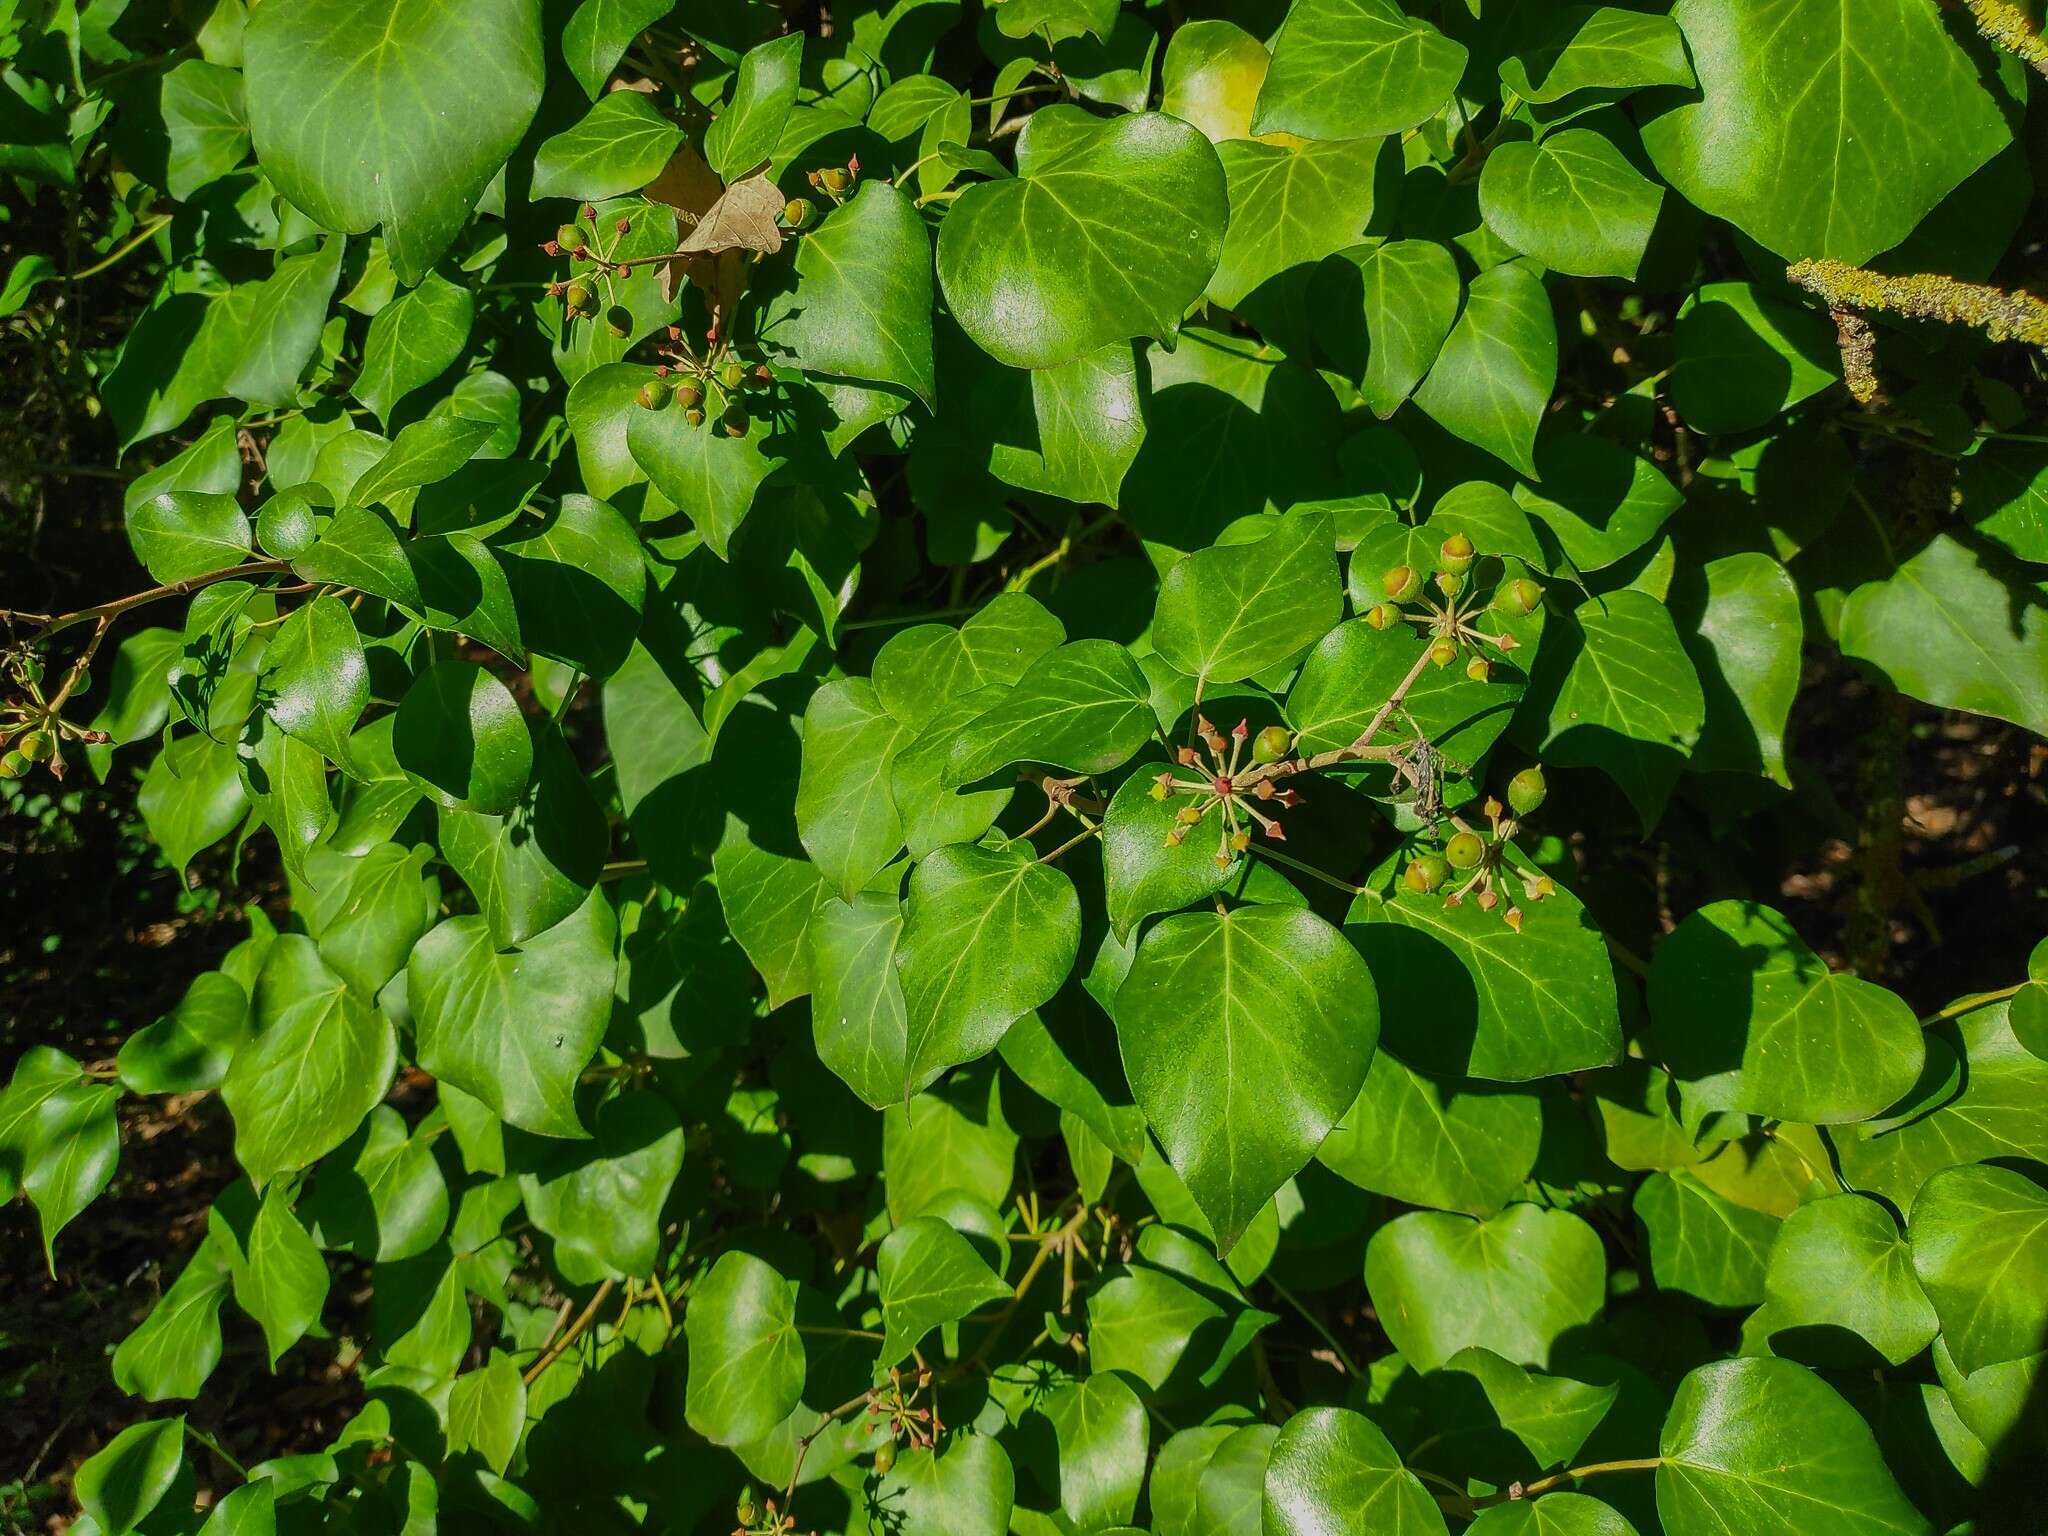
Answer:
(2001, 315)
(2007, 26)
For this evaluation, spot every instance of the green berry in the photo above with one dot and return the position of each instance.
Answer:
(1526, 790)
(1443, 652)
(577, 298)
(652, 396)
(1382, 615)
(1425, 874)
(13, 765)
(694, 415)
(735, 420)
(1456, 554)
(1450, 583)
(733, 377)
(1477, 670)
(619, 320)
(747, 1511)
(570, 237)
(1401, 582)
(1464, 851)
(834, 178)
(796, 213)
(885, 1457)
(1518, 597)
(689, 396)
(38, 746)
(1273, 743)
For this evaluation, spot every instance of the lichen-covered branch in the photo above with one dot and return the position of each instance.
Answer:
(2008, 26)
(2001, 315)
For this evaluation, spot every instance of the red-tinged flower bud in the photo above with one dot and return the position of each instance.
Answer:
(1242, 729)
(1264, 789)
(1513, 918)
(1187, 757)
(1277, 832)
(625, 226)
(555, 290)
(689, 396)
(551, 247)
(815, 179)
(853, 165)
(661, 370)
(675, 333)
(590, 213)
(1289, 798)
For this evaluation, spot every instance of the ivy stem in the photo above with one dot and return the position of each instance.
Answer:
(824, 1332)
(1571, 1475)
(1307, 869)
(140, 237)
(1054, 1239)
(50, 624)
(907, 618)
(575, 1332)
(1079, 837)
(1316, 1323)
(803, 1446)
(217, 1448)
(1973, 1002)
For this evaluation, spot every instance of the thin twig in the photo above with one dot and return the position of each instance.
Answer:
(576, 1329)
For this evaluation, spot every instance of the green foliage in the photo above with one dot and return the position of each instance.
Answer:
(958, 751)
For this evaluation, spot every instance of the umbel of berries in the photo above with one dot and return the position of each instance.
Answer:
(1447, 609)
(1473, 865)
(1240, 791)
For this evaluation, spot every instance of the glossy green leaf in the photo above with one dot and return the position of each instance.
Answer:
(318, 680)
(487, 1410)
(1109, 230)
(601, 1200)
(742, 136)
(1456, 1145)
(1766, 1446)
(460, 737)
(1573, 201)
(1101, 1430)
(1603, 47)
(1743, 357)
(1290, 206)
(128, 1477)
(1492, 379)
(1407, 293)
(1821, 129)
(1333, 1470)
(924, 666)
(988, 935)
(1354, 69)
(746, 1356)
(620, 145)
(1513, 1284)
(189, 1048)
(1083, 707)
(1246, 1035)
(1238, 609)
(413, 340)
(1702, 1244)
(1979, 1238)
(1745, 646)
(1840, 1262)
(281, 329)
(181, 534)
(362, 133)
(516, 1028)
(863, 305)
(929, 1275)
(845, 812)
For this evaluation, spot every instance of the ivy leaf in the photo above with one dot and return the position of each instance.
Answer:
(1719, 1472)
(188, 1050)
(1143, 1321)
(1456, 1145)
(400, 124)
(1333, 1470)
(600, 1200)
(929, 1275)
(597, 35)
(934, 815)
(1821, 130)
(1752, 1021)
(1840, 1263)
(460, 737)
(1055, 20)
(620, 145)
(988, 935)
(1573, 201)
(1239, 609)
(845, 812)
(1246, 1035)
(1979, 1237)
(413, 340)
(515, 1029)
(1602, 47)
(1355, 69)
(747, 1362)
(1549, 1416)
(178, 1345)
(1702, 1244)
(1491, 382)
(1745, 646)
(381, 1195)
(181, 534)
(743, 136)
(487, 1407)
(926, 665)
(1407, 295)
(1100, 1427)
(971, 1488)
(1630, 704)
(1142, 872)
(368, 911)
(359, 548)
(1468, 996)
(128, 1477)
(862, 308)
(1744, 357)
(1513, 1284)
(68, 1150)
(578, 584)
(1110, 229)
(281, 330)
(711, 476)
(1558, 1514)
(1083, 707)
(423, 453)
(280, 1279)
(1290, 206)
(857, 1009)
(1958, 628)
(320, 1060)
(319, 681)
